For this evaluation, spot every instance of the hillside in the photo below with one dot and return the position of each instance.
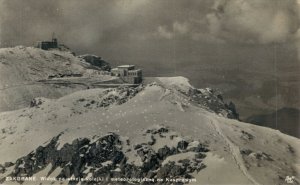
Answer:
(166, 129)
(23, 70)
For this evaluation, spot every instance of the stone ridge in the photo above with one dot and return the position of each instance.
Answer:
(105, 158)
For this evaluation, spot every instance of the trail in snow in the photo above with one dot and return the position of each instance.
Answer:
(235, 151)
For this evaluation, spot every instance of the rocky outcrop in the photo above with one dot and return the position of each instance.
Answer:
(107, 159)
(64, 75)
(213, 100)
(109, 97)
(36, 102)
(96, 61)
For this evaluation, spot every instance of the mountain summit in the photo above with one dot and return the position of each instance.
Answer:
(25, 73)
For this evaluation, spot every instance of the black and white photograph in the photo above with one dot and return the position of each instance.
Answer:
(150, 92)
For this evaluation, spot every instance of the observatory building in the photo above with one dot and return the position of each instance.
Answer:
(128, 73)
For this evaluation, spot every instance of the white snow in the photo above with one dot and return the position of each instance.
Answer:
(178, 157)
(28, 128)
(106, 163)
(179, 82)
(23, 68)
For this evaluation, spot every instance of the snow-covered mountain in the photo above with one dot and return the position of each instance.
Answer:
(231, 152)
(23, 71)
(164, 129)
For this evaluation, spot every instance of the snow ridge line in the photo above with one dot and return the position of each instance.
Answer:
(235, 151)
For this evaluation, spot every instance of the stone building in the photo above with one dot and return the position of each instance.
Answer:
(46, 45)
(128, 73)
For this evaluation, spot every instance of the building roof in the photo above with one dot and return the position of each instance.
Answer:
(135, 70)
(45, 41)
(125, 66)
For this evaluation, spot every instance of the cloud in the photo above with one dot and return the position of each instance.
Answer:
(23, 20)
(92, 25)
(163, 32)
(81, 24)
(267, 21)
(177, 29)
(236, 21)
(181, 28)
(91, 21)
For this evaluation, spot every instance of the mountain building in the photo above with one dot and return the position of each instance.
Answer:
(46, 45)
(128, 73)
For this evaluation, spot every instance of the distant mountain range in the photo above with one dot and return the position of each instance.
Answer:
(287, 120)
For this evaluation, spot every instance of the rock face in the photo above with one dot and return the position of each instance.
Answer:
(214, 101)
(109, 97)
(96, 61)
(109, 157)
(240, 153)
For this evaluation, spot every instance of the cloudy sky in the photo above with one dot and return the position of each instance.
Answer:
(167, 31)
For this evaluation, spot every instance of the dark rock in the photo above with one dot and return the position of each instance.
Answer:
(182, 145)
(246, 151)
(246, 136)
(151, 163)
(199, 148)
(200, 156)
(36, 102)
(153, 140)
(117, 157)
(158, 131)
(170, 170)
(200, 167)
(96, 61)
(220, 97)
(291, 149)
(105, 158)
(263, 156)
(2, 169)
(8, 164)
(213, 100)
(185, 162)
(163, 152)
(177, 170)
(137, 146)
(118, 99)
(233, 113)
(161, 130)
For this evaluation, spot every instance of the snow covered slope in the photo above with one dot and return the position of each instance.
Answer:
(157, 130)
(22, 68)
